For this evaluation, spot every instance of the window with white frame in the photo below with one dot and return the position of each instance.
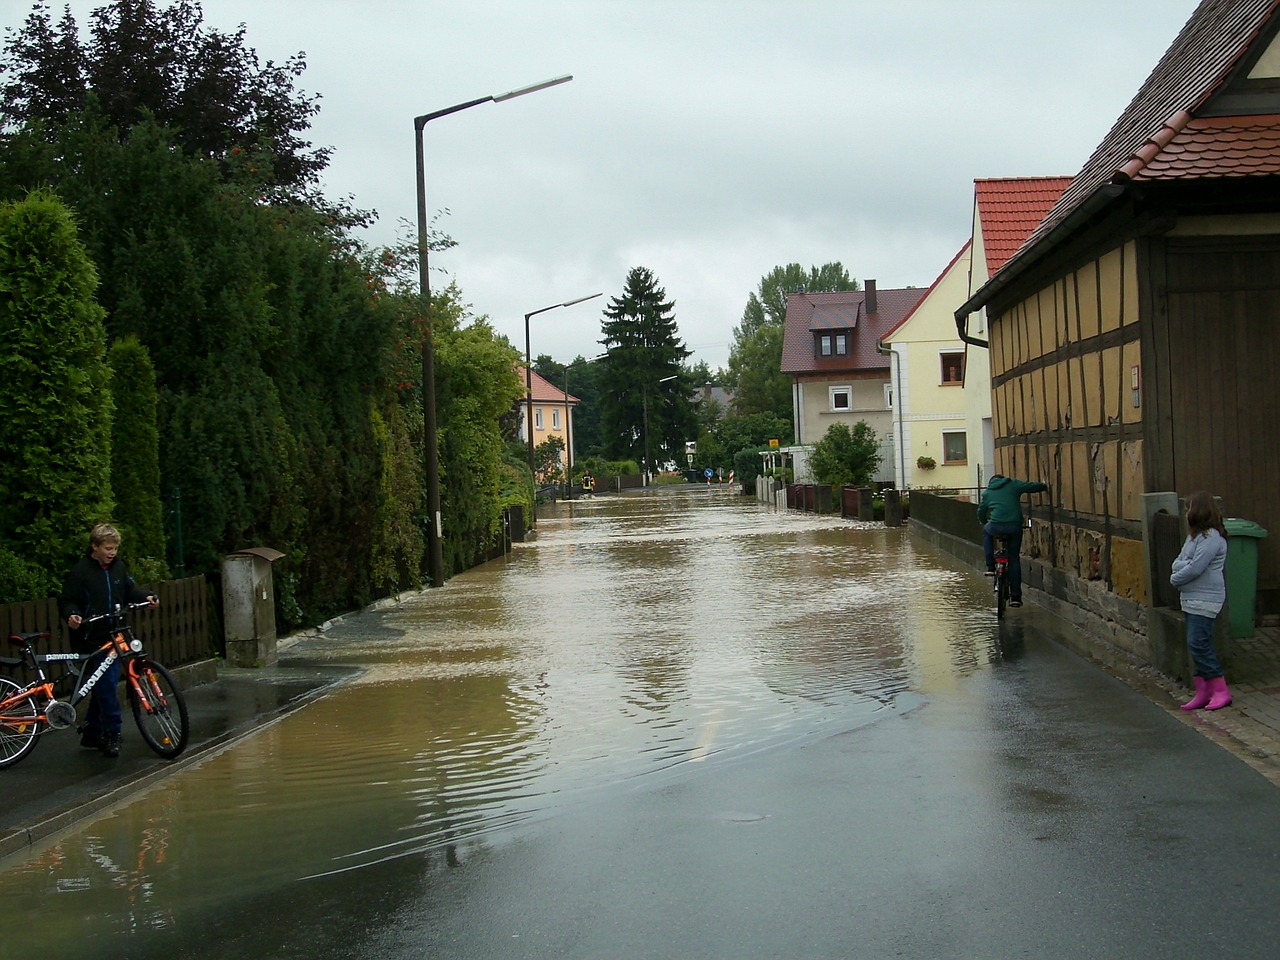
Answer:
(841, 399)
(537, 418)
(955, 446)
(952, 368)
(888, 396)
(555, 419)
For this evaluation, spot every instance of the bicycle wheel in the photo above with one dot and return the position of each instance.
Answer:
(1002, 592)
(158, 708)
(19, 724)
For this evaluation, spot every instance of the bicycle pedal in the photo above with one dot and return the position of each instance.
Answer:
(989, 573)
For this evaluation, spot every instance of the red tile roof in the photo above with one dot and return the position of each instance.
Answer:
(1009, 209)
(1157, 136)
(1198, 61)
(543, 390)
(844, 310)
(1210, 147)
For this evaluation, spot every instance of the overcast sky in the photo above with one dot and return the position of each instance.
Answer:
(708, 140)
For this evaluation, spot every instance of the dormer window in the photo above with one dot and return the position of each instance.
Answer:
(833, 344)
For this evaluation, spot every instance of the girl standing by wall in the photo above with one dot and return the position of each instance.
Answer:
(1197, 573)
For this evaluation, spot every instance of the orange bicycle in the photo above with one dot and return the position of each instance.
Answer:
(28, 711)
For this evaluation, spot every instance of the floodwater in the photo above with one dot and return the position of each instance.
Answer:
(640, 642)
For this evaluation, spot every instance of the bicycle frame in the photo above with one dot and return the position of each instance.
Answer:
(37, 702)
(1001, 584)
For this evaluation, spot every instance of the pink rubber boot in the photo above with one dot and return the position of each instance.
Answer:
(1201, 695)
(1219, 695)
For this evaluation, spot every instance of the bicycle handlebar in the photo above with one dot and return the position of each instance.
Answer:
(118, 611)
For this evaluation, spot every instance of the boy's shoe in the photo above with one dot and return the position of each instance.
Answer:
(90, 739)
(110, 745)
(1015, 603)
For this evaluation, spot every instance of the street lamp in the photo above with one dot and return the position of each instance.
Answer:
(568, 423)
(435, 531)
(528, 375)
(646, 424)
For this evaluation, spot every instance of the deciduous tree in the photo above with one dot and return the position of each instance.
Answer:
(755, 359)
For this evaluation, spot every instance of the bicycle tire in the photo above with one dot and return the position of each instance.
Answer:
(19, 725)
(162, 719)
(1002, 593)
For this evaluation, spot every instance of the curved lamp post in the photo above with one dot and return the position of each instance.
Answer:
(435, 532)
(528, 376)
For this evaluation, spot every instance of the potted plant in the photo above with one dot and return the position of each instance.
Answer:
(926, 463)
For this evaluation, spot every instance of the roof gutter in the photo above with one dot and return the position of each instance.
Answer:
(1024, 260)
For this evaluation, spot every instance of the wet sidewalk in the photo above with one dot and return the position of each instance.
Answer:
(60, 783)
(1250, 727)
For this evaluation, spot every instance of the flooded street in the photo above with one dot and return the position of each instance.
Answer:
(680, 723)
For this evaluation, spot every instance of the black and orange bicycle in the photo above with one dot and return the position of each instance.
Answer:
(26, 711)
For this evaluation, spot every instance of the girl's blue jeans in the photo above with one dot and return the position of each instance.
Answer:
(1200, 645)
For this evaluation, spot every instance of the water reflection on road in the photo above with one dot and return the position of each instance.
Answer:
(637, 637)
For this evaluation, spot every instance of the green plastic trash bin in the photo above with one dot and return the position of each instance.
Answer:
(1242, 573)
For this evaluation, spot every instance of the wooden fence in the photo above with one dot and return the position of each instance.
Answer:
(174, 633)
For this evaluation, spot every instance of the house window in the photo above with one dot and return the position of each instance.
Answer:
(888, 396)
(537, 418)
(555, 419)
(842, 344)
(824, 345)
(841, 399)
(953, 368)
(955, 447)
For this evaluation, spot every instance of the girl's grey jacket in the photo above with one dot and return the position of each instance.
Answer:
(1197, 573)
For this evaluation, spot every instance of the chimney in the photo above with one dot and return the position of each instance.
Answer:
(872, 306)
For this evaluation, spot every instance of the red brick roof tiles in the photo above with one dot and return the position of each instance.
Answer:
(1009, 209)
(1210, 147)
(1197, 63)
(543, 390)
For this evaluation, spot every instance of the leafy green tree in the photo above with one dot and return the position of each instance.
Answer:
(755, 360)
(145, 60)
(55, 434)
(719, 446)
(844, 457)
(135, 459)
(647, 394)
(549, 460)
(476, 382)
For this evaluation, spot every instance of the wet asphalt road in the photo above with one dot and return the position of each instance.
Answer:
(686, 727)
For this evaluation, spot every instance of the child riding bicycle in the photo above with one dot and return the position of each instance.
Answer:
(1000, 514)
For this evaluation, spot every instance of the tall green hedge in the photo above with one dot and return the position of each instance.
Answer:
(55, 428)
(135, 459)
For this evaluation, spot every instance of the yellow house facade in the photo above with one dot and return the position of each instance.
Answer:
(928, 376)
(552, 415)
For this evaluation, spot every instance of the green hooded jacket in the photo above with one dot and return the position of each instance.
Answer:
(1002, 500)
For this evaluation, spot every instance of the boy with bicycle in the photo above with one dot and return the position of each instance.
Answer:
(99, 582)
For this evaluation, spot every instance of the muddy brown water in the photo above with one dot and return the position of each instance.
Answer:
(636, 636)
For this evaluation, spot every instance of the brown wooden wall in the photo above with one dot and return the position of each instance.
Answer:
(1213, 361)
(174, 633)
(1063, 413)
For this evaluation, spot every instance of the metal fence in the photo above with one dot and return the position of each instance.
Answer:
(174, 633)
